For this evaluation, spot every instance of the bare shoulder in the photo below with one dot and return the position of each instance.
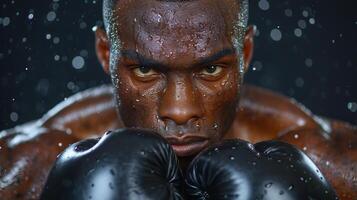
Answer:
(27, 153)
(86, 114)
(264, 111)
(334, 151)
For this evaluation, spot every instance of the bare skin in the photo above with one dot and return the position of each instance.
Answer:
(176, 72)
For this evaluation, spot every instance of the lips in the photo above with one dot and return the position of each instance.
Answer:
(187, 145)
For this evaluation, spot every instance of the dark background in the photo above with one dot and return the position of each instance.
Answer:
(305, 49)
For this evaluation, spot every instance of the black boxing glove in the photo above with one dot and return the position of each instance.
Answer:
(272, 170)
(125, 164)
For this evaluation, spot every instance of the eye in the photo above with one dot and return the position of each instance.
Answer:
(212, 70)
(144, 71)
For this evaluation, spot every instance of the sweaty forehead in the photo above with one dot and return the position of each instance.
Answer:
(158, 26)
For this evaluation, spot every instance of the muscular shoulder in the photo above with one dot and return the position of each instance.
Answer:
(86, 114)
(27, 153)
(334, 151)
(264, 114)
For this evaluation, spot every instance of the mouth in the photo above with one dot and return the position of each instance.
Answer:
(187, 145)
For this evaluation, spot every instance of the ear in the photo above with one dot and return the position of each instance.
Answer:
(248, 48)
(102, 48)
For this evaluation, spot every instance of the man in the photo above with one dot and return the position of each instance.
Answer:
(177, 68)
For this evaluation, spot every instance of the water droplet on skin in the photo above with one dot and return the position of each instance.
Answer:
(216, 149)
(59, 144)
(304, 148)
(327, 163)
(296, 136)
(301, 178)
(215, 126)
(142, 153)
(231, 158)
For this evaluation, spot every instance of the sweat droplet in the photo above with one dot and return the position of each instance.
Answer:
(215, 126)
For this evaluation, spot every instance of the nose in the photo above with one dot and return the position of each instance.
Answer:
(179, 102)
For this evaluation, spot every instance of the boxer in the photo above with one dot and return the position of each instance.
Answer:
(177, 68)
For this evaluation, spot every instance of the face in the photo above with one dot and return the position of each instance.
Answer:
(175, 69)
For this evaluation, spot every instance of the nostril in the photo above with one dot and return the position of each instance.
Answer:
(179, 116)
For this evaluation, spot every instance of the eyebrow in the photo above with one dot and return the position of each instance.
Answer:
(147, 62)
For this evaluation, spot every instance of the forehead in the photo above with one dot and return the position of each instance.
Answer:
(160, 29)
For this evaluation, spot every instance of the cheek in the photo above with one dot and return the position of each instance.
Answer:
(221, 92)
(220, 100)
(138, 102)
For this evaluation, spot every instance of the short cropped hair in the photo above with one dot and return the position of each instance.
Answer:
(108, 12)
(240, 28)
